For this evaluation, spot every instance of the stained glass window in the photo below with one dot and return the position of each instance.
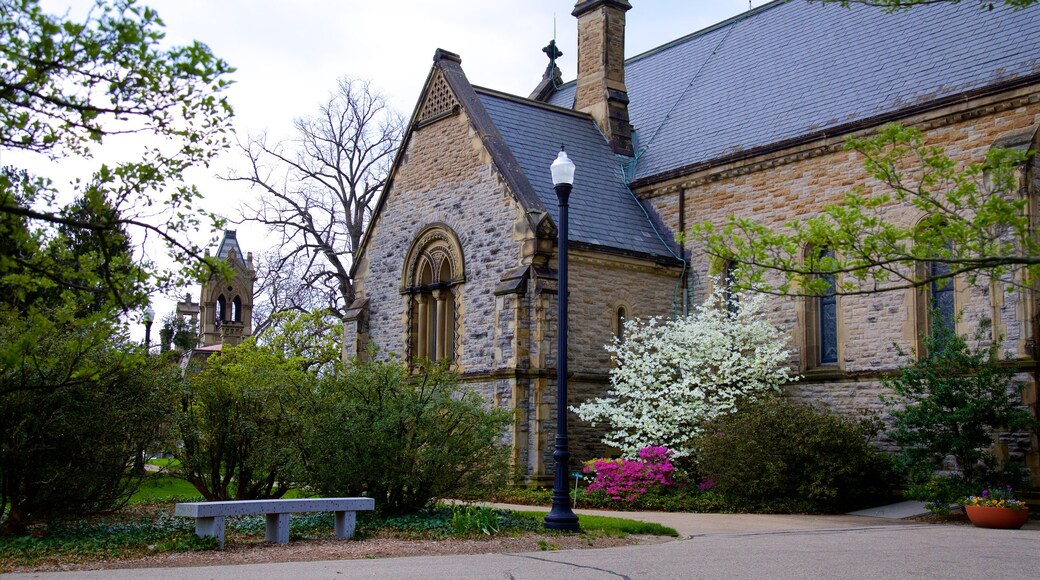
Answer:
(942, 302)
(828, 317)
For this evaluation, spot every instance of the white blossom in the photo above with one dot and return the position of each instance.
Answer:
(673, 375)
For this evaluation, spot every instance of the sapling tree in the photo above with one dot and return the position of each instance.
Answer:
(950, 403)
(970, 218)
(673, 375)
(241, 418)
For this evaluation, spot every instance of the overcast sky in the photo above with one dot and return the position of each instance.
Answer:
(288, 54)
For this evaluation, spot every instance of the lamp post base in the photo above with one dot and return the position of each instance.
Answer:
(562, 520)
(560, 516)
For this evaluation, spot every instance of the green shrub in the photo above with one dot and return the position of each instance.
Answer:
(775, 449)
(76, 406)
(404, 439)
(950, 404)
(939, 492)
(240, 424)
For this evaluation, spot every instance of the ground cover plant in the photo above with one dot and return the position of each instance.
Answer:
(150, 528)
(688, 498)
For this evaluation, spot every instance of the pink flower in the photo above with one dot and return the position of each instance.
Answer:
(631, 478)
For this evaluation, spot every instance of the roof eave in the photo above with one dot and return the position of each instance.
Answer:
(659, 259)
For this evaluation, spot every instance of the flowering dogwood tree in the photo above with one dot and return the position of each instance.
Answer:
(673, 375)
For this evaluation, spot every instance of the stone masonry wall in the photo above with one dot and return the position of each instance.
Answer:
(447, 177)
(796, 184)
(599, 284)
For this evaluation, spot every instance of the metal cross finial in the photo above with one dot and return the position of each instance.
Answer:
(551, 51)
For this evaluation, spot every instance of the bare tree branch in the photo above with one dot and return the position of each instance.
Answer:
(316, 192)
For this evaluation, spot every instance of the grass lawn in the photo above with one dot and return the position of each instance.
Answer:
(158, 486)
(612, 526)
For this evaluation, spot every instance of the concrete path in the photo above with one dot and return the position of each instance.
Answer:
(689, 525)
(712, 546)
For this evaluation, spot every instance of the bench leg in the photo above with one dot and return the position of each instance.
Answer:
(211, 527)
(344, 524)
(277, 528)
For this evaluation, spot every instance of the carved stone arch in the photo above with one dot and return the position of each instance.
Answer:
(433, 244)
(620, 316)
(432, 278)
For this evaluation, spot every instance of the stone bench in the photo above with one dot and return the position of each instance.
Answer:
(209, 515)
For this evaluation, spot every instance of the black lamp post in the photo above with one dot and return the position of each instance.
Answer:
(561, 517)
(147, 317)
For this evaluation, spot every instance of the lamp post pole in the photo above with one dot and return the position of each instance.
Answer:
(146, 317)
(561, 517)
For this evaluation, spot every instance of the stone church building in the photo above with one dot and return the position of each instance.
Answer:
(745, 117)
(224, 312)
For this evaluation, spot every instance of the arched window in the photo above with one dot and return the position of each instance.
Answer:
(827, 316)
(622, 318)
(236, 309)
(941, 298)
(936, 301)
(432, 279)
(221, 309)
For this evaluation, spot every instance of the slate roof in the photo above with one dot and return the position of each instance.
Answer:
(791, 69)
(602, 210)
(228, 243)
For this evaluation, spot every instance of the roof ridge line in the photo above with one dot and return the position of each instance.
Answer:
(727, 22)
(683, 39)
(531, 102)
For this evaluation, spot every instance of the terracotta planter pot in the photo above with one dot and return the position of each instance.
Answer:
(996, 517)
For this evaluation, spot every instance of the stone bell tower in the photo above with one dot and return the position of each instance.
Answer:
(226, 305)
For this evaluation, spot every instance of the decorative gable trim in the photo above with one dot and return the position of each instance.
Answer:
(436, 104)
(440, 102)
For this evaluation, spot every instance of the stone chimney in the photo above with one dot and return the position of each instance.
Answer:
(601, 88)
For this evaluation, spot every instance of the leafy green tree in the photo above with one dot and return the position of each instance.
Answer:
(404, 439)
(67, 89)
(177, 334)
(75, 403)
(240, 423)
(973, 221)
(308, 339)
(951, 403)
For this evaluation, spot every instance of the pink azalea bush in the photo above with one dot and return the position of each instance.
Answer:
(629, 478)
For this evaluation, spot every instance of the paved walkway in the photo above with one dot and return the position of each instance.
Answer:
(690, 525)
(712, 546)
